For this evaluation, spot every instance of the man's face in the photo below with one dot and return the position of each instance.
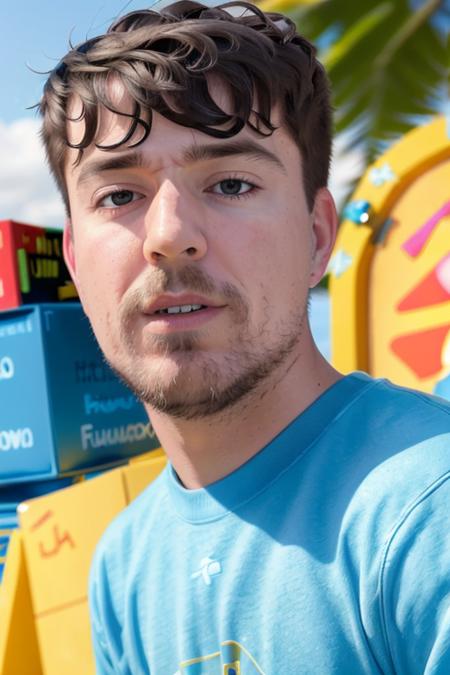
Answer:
(193, 258)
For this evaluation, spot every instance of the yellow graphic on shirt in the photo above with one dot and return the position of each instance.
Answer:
(232, 659)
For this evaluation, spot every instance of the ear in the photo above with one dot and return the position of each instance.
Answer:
(69, 251)
(324, 230)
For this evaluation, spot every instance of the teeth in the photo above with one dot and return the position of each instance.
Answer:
(180, 309)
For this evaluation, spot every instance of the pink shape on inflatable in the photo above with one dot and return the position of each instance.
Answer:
(414, 245)
(443, 273)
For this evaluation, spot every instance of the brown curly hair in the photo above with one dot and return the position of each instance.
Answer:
(163, 59)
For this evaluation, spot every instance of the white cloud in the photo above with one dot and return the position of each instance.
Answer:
(27, 191)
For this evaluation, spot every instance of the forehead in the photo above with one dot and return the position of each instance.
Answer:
(167, 140)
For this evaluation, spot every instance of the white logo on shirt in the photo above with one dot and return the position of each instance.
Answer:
(208, 568)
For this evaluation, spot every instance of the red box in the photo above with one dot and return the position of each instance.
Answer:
(32, 267)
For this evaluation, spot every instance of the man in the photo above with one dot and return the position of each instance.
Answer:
(300, 526)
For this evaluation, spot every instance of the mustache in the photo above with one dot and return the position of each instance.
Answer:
(188, 279)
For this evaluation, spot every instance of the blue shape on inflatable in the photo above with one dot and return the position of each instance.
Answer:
(442, 388)
(358, 211)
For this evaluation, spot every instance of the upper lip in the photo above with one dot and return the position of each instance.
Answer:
(173, 300)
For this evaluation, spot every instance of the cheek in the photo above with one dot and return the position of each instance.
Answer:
(273, 274)
(273, 238)
(100, 294)
(106, 267)
(279, 255)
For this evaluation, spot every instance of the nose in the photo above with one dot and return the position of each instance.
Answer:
(173, 227)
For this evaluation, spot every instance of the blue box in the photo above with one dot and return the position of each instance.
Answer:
(16, 493)
(8, 516)
(62, 409)
(8, 522)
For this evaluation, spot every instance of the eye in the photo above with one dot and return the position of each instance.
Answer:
(119, 198)
(232, 187)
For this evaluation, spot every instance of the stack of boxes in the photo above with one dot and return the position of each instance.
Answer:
(63, 413)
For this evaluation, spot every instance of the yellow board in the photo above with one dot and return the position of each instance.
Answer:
(60, 532)
(390, 272)
(65, 641)
(19, 652)
(139, 474)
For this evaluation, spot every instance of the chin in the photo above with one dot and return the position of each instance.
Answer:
(179, 384)
(179, 378)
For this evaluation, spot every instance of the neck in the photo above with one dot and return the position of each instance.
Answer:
(204, 450)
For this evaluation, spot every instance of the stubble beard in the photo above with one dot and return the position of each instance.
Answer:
(204, 385)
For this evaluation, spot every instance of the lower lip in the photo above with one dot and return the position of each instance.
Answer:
(173, 323)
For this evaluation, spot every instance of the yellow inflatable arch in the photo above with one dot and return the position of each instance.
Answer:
(390, 272)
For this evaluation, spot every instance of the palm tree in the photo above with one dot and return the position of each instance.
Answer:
(387, 62)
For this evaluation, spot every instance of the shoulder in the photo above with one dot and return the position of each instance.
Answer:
(414, 583)
(417, 429)
(391, 455)
(384, 400)
(396, 425)
(391, 449)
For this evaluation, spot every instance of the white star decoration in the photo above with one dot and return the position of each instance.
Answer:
(380, 175)
(339, 263)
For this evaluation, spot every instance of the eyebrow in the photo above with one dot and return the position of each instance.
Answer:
(248, 148)
(190, 155)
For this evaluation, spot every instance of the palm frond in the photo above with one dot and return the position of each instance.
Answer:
(388, 65)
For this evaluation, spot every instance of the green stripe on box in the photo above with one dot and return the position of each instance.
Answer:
(24, 276)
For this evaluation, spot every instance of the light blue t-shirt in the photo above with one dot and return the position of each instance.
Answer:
(326, 553)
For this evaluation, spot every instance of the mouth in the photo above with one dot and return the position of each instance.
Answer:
(180, 309)
(181, 312)
(180, 303)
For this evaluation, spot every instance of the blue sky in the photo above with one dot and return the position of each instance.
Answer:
(37, 34)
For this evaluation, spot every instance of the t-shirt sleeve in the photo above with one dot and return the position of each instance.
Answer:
(105, 628)
(415, 586)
